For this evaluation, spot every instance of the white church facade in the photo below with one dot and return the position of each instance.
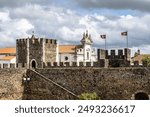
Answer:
(78, 53)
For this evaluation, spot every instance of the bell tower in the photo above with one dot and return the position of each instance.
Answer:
(87, 46)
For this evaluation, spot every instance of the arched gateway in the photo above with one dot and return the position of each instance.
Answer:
(33, 64)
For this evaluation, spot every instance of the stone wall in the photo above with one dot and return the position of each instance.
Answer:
(39, 88)
(11, 83)
(21, 50)
(117, 58)
(36, 50)
(50, 51)
(118, 83)
(69, 82)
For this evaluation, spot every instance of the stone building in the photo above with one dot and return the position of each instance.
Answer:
(78, 53)
(35, 51)
(115, 59)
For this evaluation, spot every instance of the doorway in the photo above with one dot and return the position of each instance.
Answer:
(33, 64)
(141, 96)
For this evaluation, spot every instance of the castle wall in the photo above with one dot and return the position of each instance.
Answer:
(11, 83)
(39, 88)
(108, 83)
(117, 58)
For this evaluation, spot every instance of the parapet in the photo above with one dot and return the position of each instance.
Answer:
(21, 41)
(102, 63)
(50, 41)
(12, 66)
(114, 54)
(34, 40)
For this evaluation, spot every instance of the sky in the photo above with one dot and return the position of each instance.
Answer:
(67, 20)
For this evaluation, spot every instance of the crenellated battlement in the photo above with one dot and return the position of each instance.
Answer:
(21, 41)
(102, 64)
(36, 41)
(114, 54)
(50, 41)
(12, 66)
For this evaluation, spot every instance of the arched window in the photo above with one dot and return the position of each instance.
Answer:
(88, 57)
(66, 58)
(141, 96)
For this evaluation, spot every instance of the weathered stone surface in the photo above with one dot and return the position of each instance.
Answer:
(34, 49)
(108, 83)
(11, 83)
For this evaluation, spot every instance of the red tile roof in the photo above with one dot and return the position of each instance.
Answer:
(7, 50)
(68, 48)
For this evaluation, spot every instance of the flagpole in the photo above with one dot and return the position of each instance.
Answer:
(127, 40)
(105, 43)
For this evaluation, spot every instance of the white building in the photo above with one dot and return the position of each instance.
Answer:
(8, 59)
(78, 53)
(7, 55)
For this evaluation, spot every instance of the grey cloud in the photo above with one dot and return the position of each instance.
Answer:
(68, 26)
(17, 3)
(141, 5)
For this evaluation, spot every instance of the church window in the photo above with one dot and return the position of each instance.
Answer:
(66, 58)
(88, 55)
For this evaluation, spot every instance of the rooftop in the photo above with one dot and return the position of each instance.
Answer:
(68, 48)
(7, 50)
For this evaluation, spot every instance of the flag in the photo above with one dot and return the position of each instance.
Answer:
(124, 33)
(103, 36)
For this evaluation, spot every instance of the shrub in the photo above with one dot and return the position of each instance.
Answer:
(88, 96)
(146, 61)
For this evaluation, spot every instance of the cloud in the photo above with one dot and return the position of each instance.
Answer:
(10, 29)
(141, 5)
(18, 3)
(67, 26)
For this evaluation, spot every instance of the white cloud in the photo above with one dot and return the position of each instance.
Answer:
(68, 26)
(139, 5)
(4, 16)
(10, 29)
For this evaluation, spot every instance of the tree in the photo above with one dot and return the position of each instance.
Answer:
(88, 96)
(146, 61)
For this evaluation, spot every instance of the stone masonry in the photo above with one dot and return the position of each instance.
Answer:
(108, 83)
(35, 51)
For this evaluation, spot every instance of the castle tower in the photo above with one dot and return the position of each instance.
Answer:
(35, 51)
(87, 46)
(127, 53)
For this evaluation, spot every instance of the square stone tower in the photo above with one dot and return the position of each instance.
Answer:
(35, 51)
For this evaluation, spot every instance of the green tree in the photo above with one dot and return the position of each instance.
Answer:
(146, 61)
(88, 96)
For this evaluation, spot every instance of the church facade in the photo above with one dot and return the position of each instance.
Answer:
(78, 53)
